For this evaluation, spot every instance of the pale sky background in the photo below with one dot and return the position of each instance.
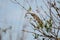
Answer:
(13, 15)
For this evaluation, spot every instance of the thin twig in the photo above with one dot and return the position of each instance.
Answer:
(16, 2)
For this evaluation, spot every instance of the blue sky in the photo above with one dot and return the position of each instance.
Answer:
(11, 14)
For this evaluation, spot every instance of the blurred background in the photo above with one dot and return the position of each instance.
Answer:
(12, 18)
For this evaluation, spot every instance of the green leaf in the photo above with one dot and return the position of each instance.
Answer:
(46, 25)
(30, 8)
(58, 14)
(49, 22)
(36, 36)
(30, 19)
(48, 29)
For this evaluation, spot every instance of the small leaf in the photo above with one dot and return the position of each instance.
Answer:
(48, 29)
(46, 25)
(30, 19)
(58, 15)
(36, 36)
(30, 8)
